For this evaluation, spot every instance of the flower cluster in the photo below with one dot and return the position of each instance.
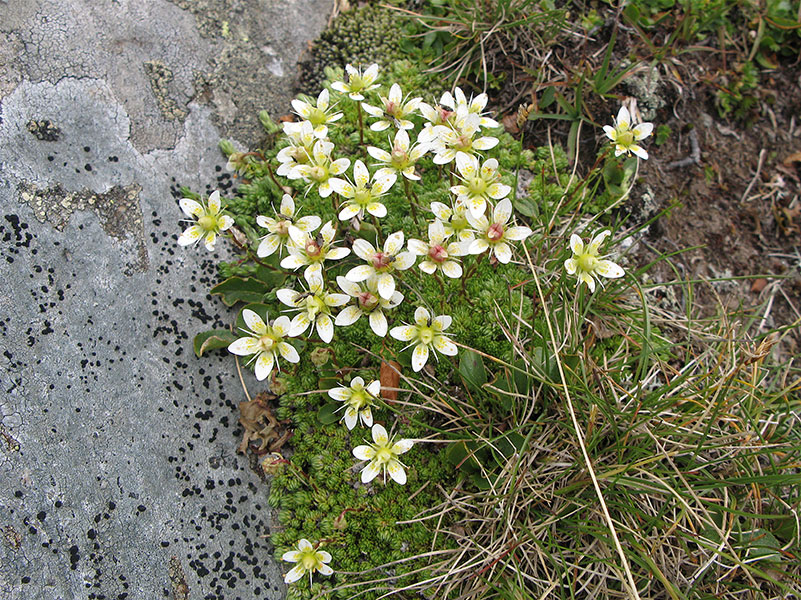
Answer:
(478, 219)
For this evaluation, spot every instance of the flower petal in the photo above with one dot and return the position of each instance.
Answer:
(422, 317)
(404, 333)
(386, 285)
(396, 471)
(325, 328)
(369, 472)
(364, 452)
(348, 316)
(402, 446)
(419, 357)
(190, 235)
(394, 243)
(295, 573)
(576, 245)
(360, 273)
(571, 264)
(517, 233)
(291, 556)
(404, 260)
(379, 434)
(351, 418)
(244, 346)
(288, 352)
(325, 569)
(214, 202)
(444, 346)
(596, 242)
(378, 323)
(502, 212)
(451, 269)
(299, 324)
(609, 269)
(340, 393)
(502, 252)
(254, 322)
(363, 249)
(191, 208)
(264, 365)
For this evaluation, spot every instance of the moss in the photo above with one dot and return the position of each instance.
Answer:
(361, 36)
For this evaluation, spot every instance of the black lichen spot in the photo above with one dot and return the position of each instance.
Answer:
(44, 130)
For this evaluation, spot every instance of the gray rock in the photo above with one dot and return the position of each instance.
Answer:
(117, 447)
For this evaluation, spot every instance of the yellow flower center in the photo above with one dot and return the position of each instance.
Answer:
(207, 223)
(383, 455)
(309, 560)
(477, 186)
(587, 262)
(318, 173)
(361, 196)
(426, 335)
(625, 138)
(314, 305)
(317, 117)
(458, 222)
(267, 342)
(359, 399)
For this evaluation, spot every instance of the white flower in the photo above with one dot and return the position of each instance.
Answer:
(586, 262)
(393, 110)
(358, 399)
(383, 456)
(360, 196)
(381, 264)
(475, 105)
(358, 82)
(299, 151)
(318, 115)
(315, 308)
(320, 168)
(439, 254)
(283, 227)
(454, 220)
(625, 137)
(457, 137)
(435, 116)
(479, 184)
(367, 302)
(264, 343)
(307, 559)
(495, 234)
(311, 252)
(209, 221)
(401, 159)
(425, 334)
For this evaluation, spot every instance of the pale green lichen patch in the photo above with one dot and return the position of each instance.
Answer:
(118, 211)
(160, 77)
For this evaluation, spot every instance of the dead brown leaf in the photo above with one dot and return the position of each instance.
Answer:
(260, 425)
(390, 378)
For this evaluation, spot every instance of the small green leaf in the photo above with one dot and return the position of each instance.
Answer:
(327, 413)
(472, 370)
(548, 96)
(238, 289)
(212, 340)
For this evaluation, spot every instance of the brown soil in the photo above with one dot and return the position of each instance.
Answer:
(736, 211)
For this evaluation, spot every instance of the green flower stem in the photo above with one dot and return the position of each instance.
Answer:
(441, 291)
(361, 123)
(410, 196)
